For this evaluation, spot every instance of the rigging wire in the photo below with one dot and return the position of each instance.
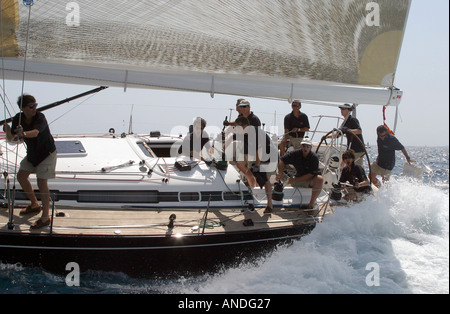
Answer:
(3, 61)
(29, 4)
(25, 57)
(2, 52)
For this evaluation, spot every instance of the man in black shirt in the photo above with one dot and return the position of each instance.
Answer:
(308, 173)
(31, 126)
(352, 129)
(243, 107)
(385, 163)
(295, 125)
(355, 176)
(253, 120)
(195, 141)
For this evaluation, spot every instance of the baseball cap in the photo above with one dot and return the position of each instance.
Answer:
(306, 141)
(244, 103)
(346, 106)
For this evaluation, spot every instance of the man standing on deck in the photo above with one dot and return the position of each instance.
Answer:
(385, 163)
(352, 129)
(31, 126)
(295, 125)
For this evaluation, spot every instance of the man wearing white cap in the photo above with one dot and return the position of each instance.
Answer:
(352, 129)
(308, 173)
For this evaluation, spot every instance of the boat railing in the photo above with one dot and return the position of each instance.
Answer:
(316, 130)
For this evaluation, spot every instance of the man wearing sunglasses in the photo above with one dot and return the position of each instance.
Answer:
(31, 126)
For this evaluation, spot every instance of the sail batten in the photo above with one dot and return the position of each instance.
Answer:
(178, 44)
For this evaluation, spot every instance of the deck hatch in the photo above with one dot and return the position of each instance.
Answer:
(70, 149)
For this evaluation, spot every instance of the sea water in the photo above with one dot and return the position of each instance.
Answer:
(394, 242)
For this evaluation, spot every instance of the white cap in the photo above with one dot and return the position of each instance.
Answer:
(244, 103)
(306, 141)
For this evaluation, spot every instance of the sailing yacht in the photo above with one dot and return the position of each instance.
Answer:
(123, 202)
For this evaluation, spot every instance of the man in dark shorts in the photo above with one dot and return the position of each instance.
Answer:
(385, 163)
(308, 173)
(31, 126)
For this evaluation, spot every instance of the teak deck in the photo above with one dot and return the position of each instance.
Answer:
(122, 222)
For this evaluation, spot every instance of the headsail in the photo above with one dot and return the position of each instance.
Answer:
(321, 50)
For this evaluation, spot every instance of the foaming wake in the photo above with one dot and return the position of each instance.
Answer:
(403, 230)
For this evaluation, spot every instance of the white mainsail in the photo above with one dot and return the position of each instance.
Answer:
(321, 50)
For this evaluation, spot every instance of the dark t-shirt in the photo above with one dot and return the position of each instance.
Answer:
(253, 120)
(386, 151)
(352, 142)
(292, 122)
(40, 147)
(308, 165)
(357, 174)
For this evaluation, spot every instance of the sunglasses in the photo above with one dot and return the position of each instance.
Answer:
(304, 145)
(31, 106)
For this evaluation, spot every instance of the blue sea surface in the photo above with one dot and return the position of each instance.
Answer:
(402, 232)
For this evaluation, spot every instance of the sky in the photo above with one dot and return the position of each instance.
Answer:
(422, 74)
